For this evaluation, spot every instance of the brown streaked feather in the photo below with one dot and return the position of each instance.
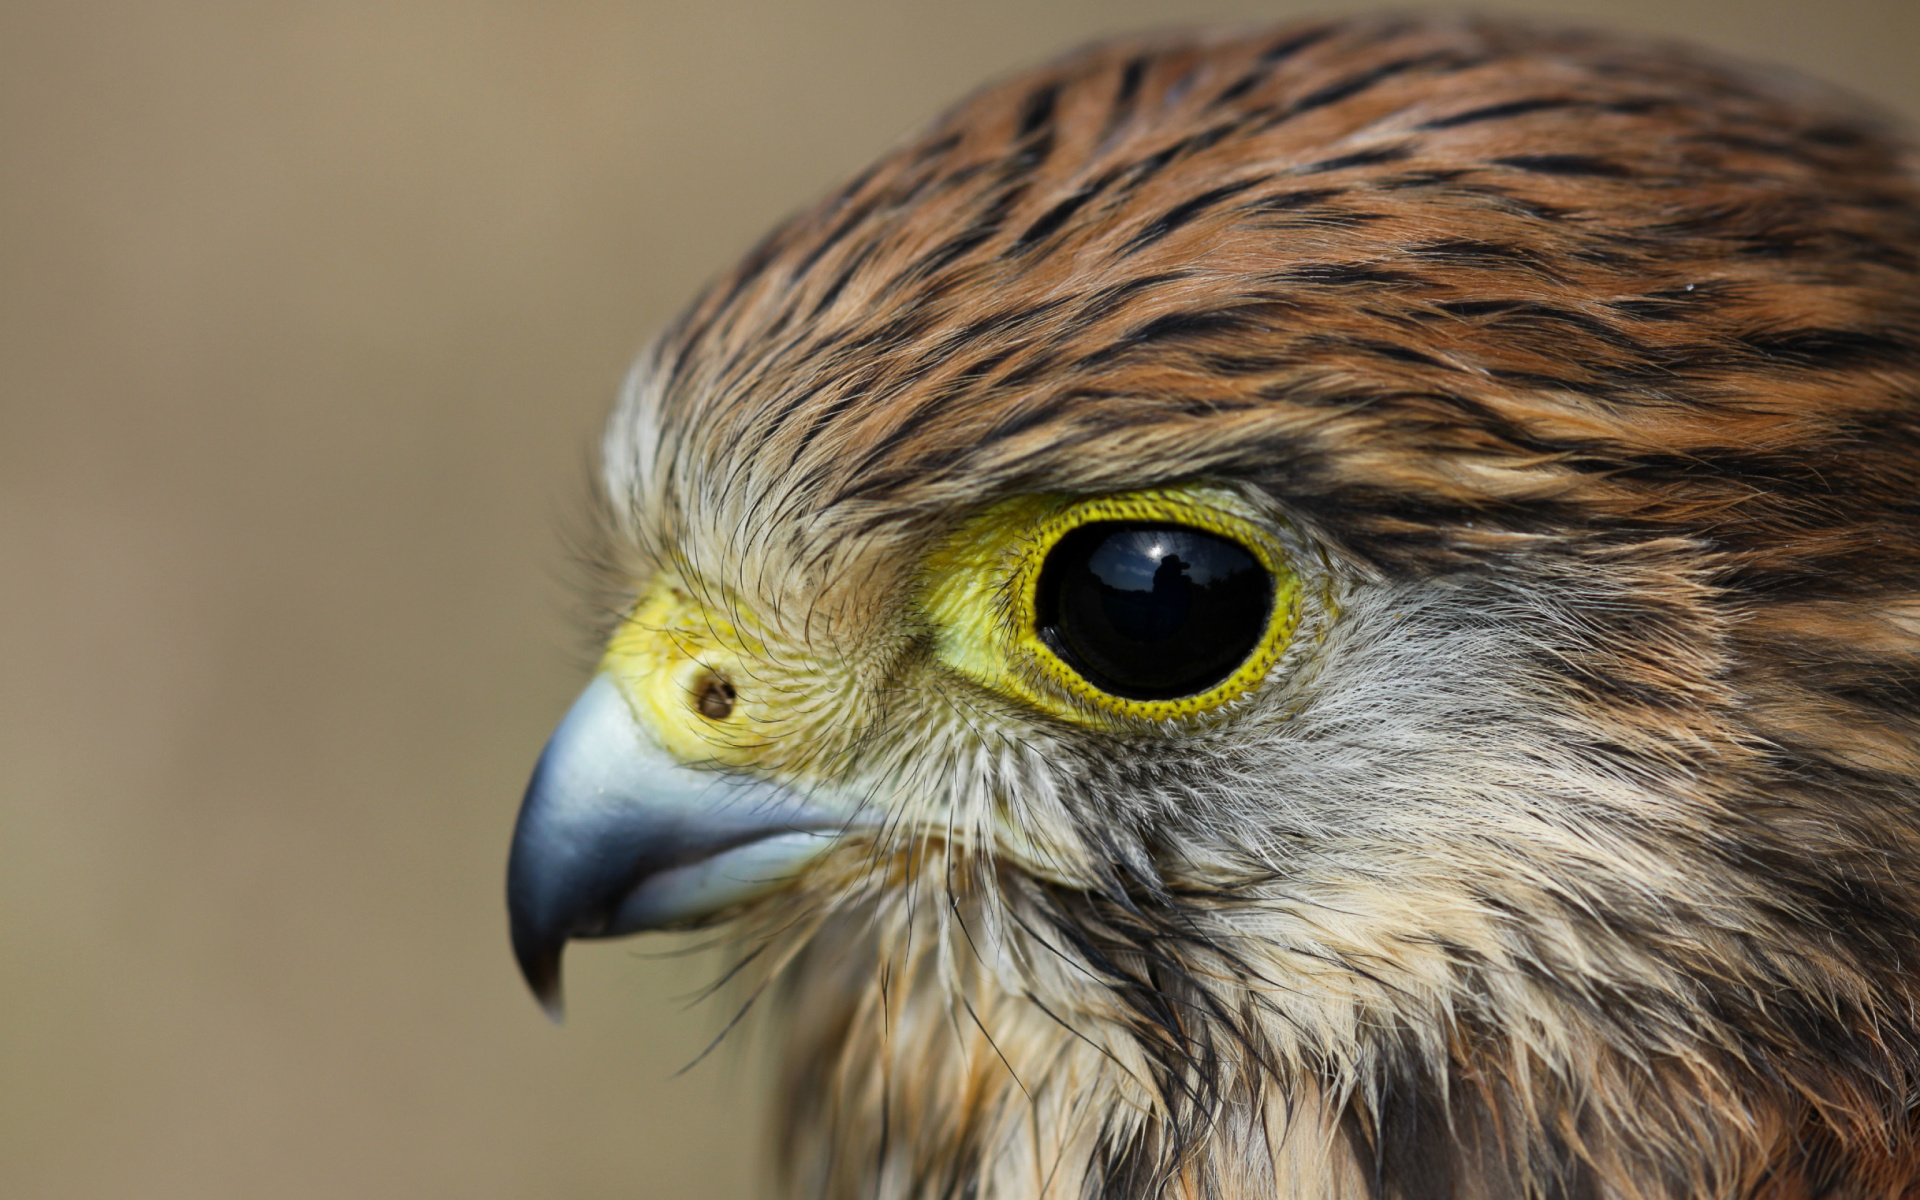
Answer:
(1592, 361)
(1676, 316)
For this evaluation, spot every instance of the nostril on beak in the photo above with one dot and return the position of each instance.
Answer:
(616, 836)
(713, 696)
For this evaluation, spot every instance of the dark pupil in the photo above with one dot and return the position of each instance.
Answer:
(1151, 612)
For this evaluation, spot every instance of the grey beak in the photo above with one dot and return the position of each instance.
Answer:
(615, 836)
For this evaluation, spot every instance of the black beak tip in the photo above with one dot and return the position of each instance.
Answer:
(539, 961)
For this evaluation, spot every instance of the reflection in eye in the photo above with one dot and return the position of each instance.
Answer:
(1152, 611)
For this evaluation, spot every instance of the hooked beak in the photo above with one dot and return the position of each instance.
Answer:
(615, 836)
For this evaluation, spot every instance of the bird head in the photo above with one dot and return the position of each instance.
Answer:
(1289, 613)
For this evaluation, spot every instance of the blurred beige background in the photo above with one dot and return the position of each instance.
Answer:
(308, 314)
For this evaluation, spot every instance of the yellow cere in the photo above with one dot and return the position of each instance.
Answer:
(981, 581)
(659, 656)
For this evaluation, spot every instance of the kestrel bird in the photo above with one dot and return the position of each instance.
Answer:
(1331, 612)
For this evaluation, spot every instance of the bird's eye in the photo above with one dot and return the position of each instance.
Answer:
(1157, 605)
(1149, 611)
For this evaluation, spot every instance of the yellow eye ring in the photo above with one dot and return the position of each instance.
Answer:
(980, 596)
(1172, 507)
